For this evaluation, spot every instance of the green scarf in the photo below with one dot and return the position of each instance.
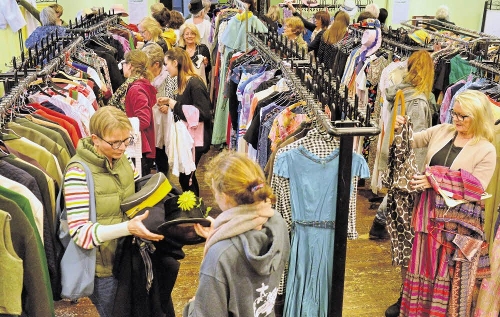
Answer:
(118, 98)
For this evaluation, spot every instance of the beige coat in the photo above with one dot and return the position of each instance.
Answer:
(477, 158)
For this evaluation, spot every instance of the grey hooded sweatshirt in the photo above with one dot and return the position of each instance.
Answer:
(419, 109)
(240, 276)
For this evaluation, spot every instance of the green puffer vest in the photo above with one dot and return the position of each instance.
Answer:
(111, 186)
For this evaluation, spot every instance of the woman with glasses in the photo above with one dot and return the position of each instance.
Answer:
(416, 84)
(136, 96)
(447, 245)
(113, 174)
(151, 32)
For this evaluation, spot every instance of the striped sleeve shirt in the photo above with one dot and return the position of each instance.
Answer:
(77, 200)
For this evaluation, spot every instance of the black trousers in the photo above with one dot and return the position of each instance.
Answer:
(186, 179)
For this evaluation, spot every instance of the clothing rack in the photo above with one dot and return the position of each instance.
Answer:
(54, 64)
(491, 70)
(478, 37)
(345, 130)
(95, 26)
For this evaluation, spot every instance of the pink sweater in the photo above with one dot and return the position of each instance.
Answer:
(479, 158)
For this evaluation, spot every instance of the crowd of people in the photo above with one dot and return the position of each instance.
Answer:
(169, 75)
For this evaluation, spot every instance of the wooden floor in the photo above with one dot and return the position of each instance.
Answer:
(371, 282)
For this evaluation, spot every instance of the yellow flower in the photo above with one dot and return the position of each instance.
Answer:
(186, 201)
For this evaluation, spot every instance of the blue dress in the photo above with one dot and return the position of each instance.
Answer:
(313, 188)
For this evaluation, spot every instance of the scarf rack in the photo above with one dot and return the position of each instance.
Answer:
(345, 129)
(11, 98)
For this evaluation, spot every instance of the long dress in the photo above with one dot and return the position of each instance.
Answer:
(313, 189)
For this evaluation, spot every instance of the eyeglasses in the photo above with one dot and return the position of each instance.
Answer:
(117, 144)
(460, 117)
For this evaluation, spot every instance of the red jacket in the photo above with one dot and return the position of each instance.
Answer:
(139, 102)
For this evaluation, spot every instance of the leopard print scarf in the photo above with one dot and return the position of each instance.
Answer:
(118, 98)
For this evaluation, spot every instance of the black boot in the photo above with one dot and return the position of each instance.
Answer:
(378, 232)
(393, 310)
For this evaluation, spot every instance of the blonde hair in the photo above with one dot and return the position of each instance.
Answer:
(139, 62)
(442, 13)
(153, 27)
(157, 7)
(58, 9)
(373, 9)
(478, 107)
(185, 67)
(154, 53)
(48, 16)
(239, 177)
(192, 28)
(295, 24)
(338, 29)
(420, 72)
(274, 13)
(108, 119)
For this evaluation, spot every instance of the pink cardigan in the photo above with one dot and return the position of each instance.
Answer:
(479, 158)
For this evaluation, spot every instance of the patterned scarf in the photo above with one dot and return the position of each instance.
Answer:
(118, 98)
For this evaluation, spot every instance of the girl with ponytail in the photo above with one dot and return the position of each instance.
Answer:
(136, 96)
(247, 245)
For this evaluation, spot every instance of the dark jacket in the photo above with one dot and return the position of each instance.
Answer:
(196, 94)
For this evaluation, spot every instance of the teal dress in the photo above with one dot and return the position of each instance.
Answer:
(313, 189)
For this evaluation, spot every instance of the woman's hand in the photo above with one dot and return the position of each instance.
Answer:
(420, 182)
(137, 228)
(165, 101)
(290, 6)
(205, 61)
(204, 231)
(400, 120)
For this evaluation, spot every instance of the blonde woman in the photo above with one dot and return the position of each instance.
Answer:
(151, 32)
(248, 239)
(189, 40)
(293, 31)
(198, 11)
(273, 17)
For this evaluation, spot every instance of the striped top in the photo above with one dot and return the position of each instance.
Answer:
(76, 196)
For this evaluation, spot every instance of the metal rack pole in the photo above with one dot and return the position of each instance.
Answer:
(346, 131)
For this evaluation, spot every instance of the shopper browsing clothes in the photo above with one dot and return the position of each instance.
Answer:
(247, 245)
(445, 254)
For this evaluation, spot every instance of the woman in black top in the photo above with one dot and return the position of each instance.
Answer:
(189, 40)
(322, 21)
(191, 91)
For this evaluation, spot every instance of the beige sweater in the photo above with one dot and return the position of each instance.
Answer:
(477, 158)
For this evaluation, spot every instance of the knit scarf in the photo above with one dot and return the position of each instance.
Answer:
(118, 98)
(238, 220)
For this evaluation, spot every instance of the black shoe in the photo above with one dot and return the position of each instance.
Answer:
(378, 232)
(393, 310)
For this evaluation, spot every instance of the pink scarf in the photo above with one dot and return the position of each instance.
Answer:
(237, 220)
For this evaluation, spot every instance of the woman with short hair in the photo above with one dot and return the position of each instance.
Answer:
(199, 53)
(50, 20)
